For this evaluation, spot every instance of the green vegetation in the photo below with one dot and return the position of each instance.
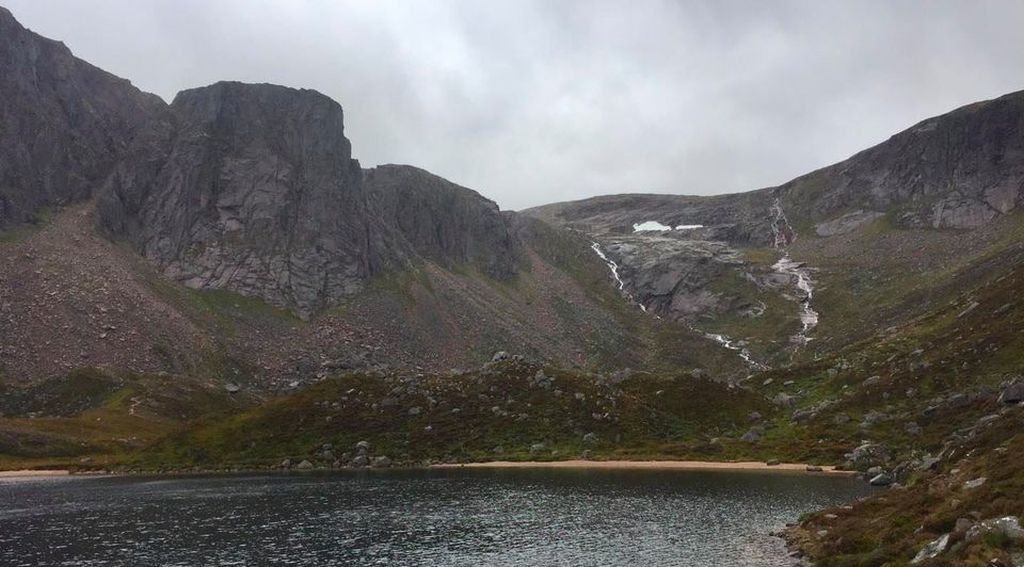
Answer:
(20, 232)
(500, 411)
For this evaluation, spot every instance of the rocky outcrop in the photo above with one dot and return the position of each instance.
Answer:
(442, 221)
(253, 188)
(63, 123)
(958, 170)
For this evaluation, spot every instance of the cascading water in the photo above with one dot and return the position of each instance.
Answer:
(718, 338)
(782, 234)
(615, 274)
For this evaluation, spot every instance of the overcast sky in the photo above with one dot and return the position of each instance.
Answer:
(535, 102)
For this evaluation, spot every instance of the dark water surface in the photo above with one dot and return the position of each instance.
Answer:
(435, 518)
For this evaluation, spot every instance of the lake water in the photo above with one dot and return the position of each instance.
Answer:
(424, 517)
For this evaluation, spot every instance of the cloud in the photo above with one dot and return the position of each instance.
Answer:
(531, 102)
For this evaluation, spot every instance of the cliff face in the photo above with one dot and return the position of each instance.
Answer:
(958, 170)
(442, 221)
(63, 123)
(253, 188)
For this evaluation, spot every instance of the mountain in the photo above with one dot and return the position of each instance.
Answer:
(215, 282)
(63, 123)
(888, 214)
(253, 188)
(229, 237)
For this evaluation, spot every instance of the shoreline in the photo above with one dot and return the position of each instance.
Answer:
(579, 464)
(655, 465)
(29, 473)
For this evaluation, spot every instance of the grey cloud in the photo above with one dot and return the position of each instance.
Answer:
(536, 101)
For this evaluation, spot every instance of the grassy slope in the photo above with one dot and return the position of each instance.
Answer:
(90, 418)
(498, 411)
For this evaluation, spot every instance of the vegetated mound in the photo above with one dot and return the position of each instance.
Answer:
(508, 409)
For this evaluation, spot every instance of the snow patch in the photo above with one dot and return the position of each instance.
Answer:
(652, 226)
(655, 226)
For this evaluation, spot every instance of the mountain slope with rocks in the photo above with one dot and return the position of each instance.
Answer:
(217, 282)
(230, 237)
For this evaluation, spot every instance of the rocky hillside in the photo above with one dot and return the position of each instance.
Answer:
(860, 242)
(253, 188)
(230, 237)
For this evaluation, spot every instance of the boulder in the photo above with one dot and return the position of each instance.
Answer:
(304, 465)
(590, 439)
(975, 483)
(362, 447)
(381, 462)
(1007, 526)
(360, 461)
(932, 549)
(868, 455)
(537, 448)
(500, 356)
(881, 480)
(783, 399)
(753, 435)
(1012, 393)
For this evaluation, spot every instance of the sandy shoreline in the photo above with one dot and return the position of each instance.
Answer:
(34, 473)
(653, 465)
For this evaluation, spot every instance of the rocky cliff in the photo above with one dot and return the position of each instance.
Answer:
(958, 170)
(251, 188)
(63, 123)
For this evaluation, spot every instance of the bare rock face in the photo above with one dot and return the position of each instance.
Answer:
(958, 170)
(253, 188)
(63, 123)
(442, 221)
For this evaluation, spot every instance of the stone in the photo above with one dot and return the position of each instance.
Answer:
(881, 480)
(932, 549)
(1007, 526)
(414, 411)
(783, 399)
(380, 462)
(1012, 393)
(500, 356)
(869, 454)
(232, 388)
(360, 461)
(840, 419)
(814, 468)
(590, 439)
(304, 465)
(975, 483)
(927, 463)
(537, 449)
(362, 447)
(753, 435)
